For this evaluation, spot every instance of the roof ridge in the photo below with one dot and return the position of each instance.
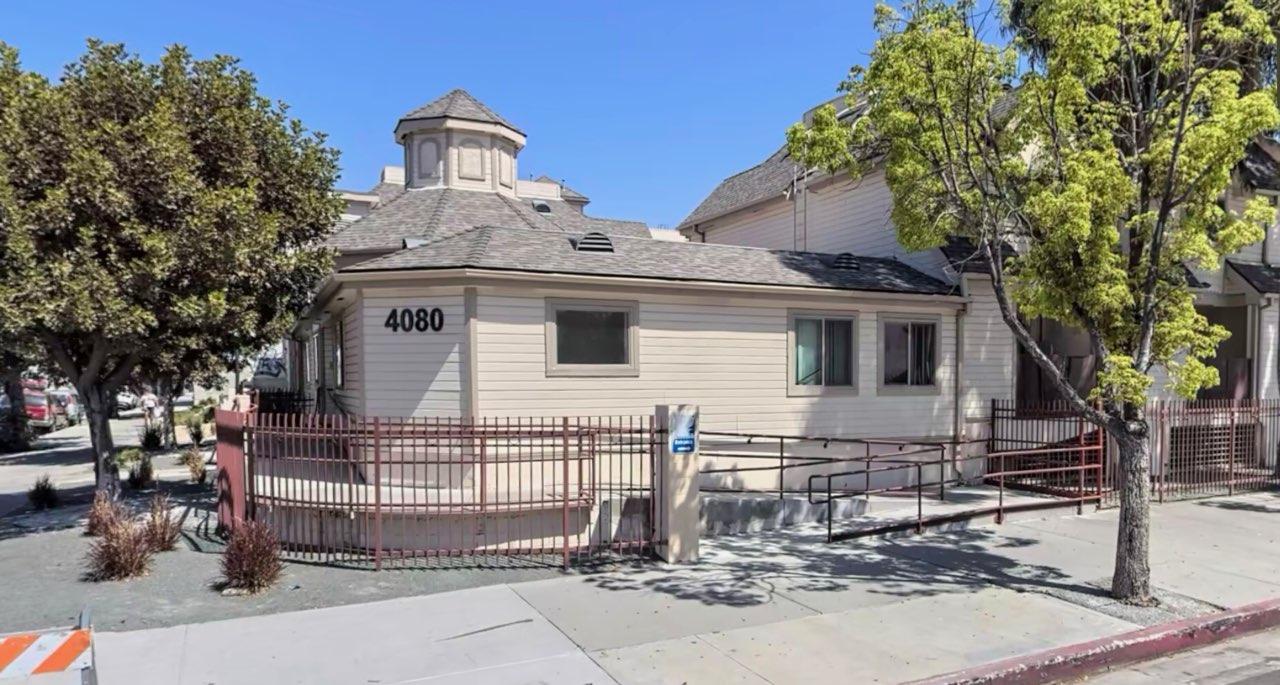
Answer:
(482, 245)
(520, 213)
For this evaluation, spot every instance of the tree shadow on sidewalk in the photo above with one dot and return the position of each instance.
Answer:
(749, 570)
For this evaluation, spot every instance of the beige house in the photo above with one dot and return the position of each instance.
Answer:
(463, 291)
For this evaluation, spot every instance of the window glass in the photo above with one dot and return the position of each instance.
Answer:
(591, 337)
(823, 351)
(922, 353)
(896, 353)
(838, 353)
(808, 352)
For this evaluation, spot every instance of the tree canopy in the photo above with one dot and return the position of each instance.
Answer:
(1099, 142)
(1087, 154)
(149, 209)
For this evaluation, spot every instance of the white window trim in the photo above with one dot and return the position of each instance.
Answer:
(796, 390)
(630, 369)
(883, 388)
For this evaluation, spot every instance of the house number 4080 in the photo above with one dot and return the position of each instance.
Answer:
(410, 320)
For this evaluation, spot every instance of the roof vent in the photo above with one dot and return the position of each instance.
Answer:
(542, 206)
(410, 243)
(846, 261)
(594, 242)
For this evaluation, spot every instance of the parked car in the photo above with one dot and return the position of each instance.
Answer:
(126, 400)
(68, 402)
(42, 412)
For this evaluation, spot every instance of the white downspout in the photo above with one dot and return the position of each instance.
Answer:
(957, 415)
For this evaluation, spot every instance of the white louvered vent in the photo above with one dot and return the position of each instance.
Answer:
(846, 261)
(594, 242)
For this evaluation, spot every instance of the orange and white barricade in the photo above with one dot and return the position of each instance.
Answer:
(23, 656)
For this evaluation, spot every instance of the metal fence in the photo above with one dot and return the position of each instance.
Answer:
(1199, 448)
(404, 491)
(825, 470)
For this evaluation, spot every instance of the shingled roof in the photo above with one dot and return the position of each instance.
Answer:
(458, 104)
(1259, 168)
(515, 249)
(436, 213)
(1263, 278)
(767, 179)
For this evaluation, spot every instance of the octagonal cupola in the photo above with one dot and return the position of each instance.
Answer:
(456, 141)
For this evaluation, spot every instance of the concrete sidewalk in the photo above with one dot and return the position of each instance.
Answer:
(771, 608)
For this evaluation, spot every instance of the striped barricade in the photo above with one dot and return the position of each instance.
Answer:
(24, 655)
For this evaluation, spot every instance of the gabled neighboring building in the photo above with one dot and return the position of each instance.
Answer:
(778, 205)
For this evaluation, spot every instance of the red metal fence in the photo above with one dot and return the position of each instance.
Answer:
(1199, 448)
(384, 491)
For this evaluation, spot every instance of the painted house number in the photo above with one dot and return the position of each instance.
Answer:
(418, 320)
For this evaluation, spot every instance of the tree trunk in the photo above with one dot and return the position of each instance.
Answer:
(14, 435)
(98, 408)
(1131, 582)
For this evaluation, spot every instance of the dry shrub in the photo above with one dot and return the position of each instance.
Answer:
(193, 459)
(252, 559)
(123, 551)
(43, 495)
(141, 474)
(162, 528)
(104, 513)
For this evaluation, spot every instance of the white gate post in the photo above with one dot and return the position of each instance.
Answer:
(679, 501)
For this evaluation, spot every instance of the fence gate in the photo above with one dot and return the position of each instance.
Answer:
(409, 491)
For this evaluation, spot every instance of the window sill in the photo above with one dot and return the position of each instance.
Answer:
(908, 390)
(591, 371)
(822, 391)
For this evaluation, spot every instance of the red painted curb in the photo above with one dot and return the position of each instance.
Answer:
(1074, 661)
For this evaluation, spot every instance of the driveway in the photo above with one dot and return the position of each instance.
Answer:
(65, 456)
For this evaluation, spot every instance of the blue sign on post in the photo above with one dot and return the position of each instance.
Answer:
(683, 429)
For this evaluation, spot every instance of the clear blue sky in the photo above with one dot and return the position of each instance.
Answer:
(642, 106)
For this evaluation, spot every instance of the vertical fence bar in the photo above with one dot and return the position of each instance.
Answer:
(564, 443)
(1231, 451)
(782, 450)
(377, 494)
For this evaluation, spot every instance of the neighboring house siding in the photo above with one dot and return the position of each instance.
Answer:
(349, 397)
(989, 359)
(412, 373)
(728, 357)
(844, 216)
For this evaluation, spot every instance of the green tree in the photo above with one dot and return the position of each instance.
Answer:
(1097, 142)
(151, 209)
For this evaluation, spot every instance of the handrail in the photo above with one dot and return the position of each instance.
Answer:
(919, 485)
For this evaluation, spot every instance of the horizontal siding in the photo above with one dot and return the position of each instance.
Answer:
(730, 360)
(844, 216)
(412, 374)
(989, 360)
(350, 395)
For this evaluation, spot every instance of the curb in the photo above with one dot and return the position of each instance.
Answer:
(1084, 658)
